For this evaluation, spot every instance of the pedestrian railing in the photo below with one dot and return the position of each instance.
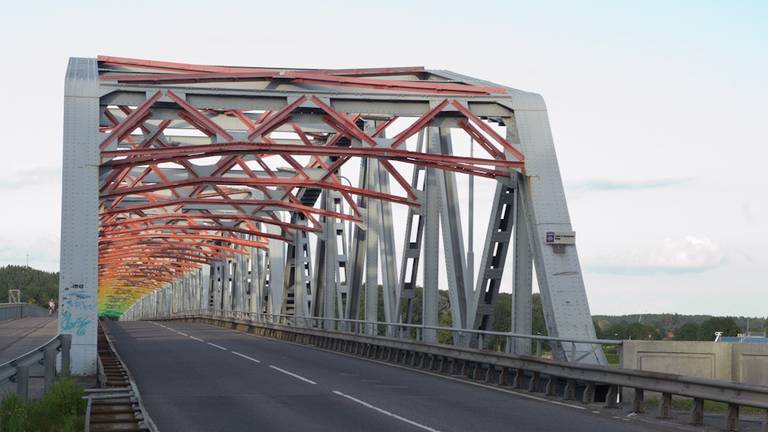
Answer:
(20, 370)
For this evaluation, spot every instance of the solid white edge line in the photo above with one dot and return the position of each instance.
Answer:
(245, 356)
(197, 339)
(217, 346)
(566, 404)
(292, 374)
(385, 412)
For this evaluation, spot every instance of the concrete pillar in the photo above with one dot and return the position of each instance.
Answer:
(78, 281)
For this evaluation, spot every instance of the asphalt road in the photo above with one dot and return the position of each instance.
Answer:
(195, 377)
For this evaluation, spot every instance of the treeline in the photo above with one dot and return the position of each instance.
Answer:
(651, 326)
(693, 331)
(37, 286)
(675, 326)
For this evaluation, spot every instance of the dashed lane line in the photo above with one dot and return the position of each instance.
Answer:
(197, 339)
(306, 380)
(385, 412)
(246, 357)
(217, 346)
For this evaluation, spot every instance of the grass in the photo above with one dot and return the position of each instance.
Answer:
(62, 409)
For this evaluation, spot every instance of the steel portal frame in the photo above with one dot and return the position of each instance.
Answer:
(196, 186)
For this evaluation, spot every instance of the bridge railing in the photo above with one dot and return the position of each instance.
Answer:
(20, 369)
(580, 349)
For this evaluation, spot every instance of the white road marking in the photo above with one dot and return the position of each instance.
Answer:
(183, 334)
(566, 404)
(292, 374)
(246, 357)
(217, 346)
(199, 340)
(385, 412)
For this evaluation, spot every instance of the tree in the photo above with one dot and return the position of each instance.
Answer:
(688, 332)
(727, 325)
(640, 331)
(36, 286)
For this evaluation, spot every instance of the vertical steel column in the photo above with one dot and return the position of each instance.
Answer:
(522, 288)
(358, 250)
(226, 285)
(372, 251)
(414, 230)
(453, 239)
(305, 272)
(298, 296)
(217, 280)
(78, 281)
(326, 265)
(276, 271)
(342, 270)
(238, 290)
(256, 281)
(495, 250)
(389, 282)
(431, 294)
(205, 287)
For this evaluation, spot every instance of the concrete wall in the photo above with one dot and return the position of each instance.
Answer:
(739, 362)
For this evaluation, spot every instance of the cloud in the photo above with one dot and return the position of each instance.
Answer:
(672, 257)
(33, 176)
(623, 185)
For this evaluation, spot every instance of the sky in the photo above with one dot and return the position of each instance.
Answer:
(658, 110)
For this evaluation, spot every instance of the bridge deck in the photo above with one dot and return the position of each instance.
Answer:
(199, 377)
(20, 336)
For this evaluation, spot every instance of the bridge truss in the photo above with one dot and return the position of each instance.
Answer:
(315, 193)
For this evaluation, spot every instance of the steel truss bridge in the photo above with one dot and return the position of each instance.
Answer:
(337, 194)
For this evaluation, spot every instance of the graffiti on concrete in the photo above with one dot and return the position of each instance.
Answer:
(79, 324)
(76, 303)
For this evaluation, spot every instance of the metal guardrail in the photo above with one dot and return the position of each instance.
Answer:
(18, 369)
(520, 371)
(459, 337)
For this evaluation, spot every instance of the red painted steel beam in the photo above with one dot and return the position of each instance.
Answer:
(186, 67)
(139, 157)
(252, 182)
(214, 228)
(308, 77)
(263, 203)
